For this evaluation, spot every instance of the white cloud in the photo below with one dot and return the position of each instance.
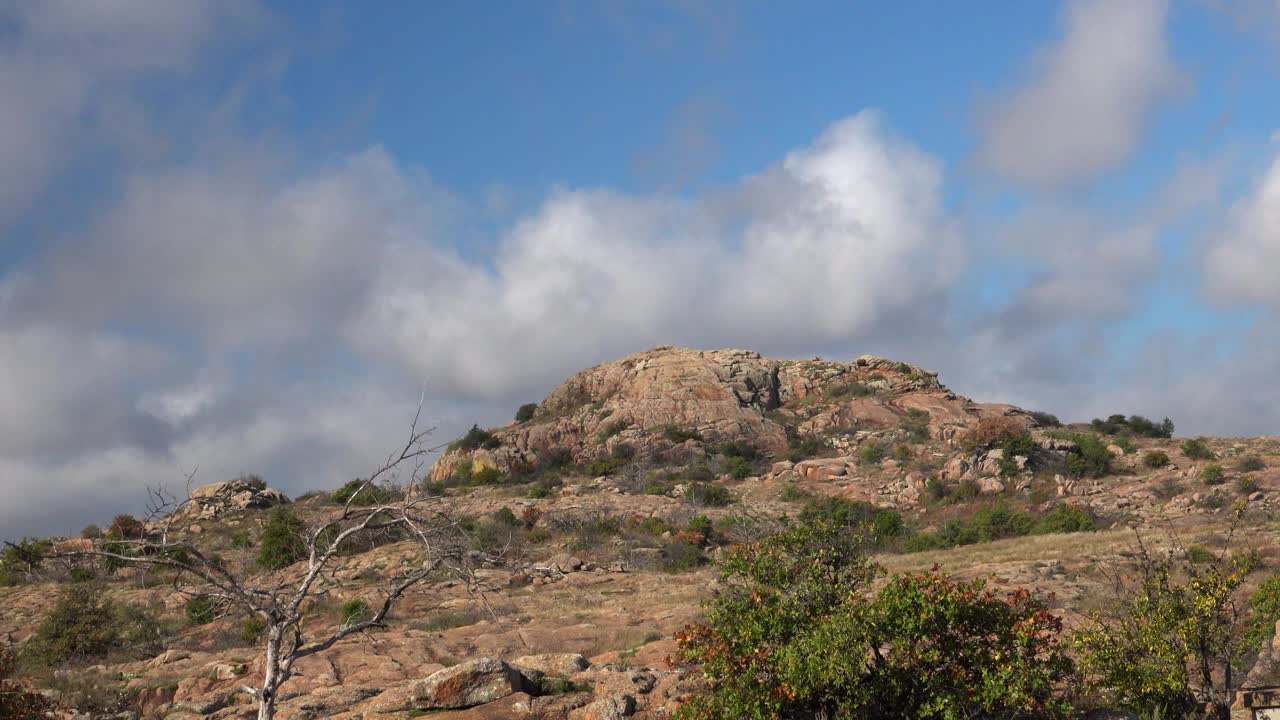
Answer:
(62, 58)
(1242, 256)
(839, 233)
(1092, 94)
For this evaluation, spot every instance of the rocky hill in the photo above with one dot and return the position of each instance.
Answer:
(615, 495)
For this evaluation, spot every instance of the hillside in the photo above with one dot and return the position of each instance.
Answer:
(612, 498)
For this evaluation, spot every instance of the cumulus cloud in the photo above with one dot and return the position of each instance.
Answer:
(1241, 257)
(841, 233)
(1083, 110)
(66, 60)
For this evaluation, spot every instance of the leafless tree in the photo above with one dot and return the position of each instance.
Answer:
(282, 599)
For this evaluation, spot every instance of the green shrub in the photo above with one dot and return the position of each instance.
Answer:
(282, 539)
(1246, 484)
(251, 629)
(1064, 518)
(850, 390)
(677, 434)
(1199, 554)
(487, 475)
(554, 458)
(966, 490)
(126, 527)
(871, 452)
(1252, 463)
(241, 539)
(936, 489)
(623, 452)
(737, 467)
(354, 611)
(702, 493)
(1155, 459)
(792, 493)
(84, 624)
(679, 555)
(526, 412)
(878, 524)
(1198, 449)
(505, 516)
(1126, 445)
(1133, 425)
(1212, 475)
(20, 560)
(1161, 646)
(1044, 419)
(916, 425)
(540, 491)
(1167, 489)
(200, 610)
(798, 632)
(91, 532)
(364, 495)
(1093, 458)
(17, 701)
(474, 439)
(803, 448)
(1264, 606)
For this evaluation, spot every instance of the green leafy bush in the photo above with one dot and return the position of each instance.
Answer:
(251, 629)
(871, 452)
(1044, 419)
(1133, 425)
(1252, 463)
(850, 390)
(126, 527)
(282, 539)
(474, 439)
(1246, 484)
(17, 701)
(1198, 449)
(86, 624)
(200, 610)
(91, 532)
(798, 632)
(487, 475)
(1155, 459)
(1212, 475)
(703, 493)
(916, 425)
(610, 430)
(354, 611)
(526, 412)
(1126, 445)
(737, 467)
(677, 434)
(365, 495)
(878, 524)
(19, 561)
(1064, 519)
(1093, 459)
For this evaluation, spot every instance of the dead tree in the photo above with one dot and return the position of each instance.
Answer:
(281, 599)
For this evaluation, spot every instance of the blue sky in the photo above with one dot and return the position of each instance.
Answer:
(241, 235)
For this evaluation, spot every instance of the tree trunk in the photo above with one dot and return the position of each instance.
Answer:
(270, 673)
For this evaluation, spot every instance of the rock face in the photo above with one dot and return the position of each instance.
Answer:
(471, 683)
(215, 499)
(655, 400)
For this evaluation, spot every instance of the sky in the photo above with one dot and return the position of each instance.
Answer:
(247, 236)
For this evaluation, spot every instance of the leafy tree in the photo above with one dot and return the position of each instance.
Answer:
(1198, 449)
(282, 539)
(797, 632)
(1092, 459)
(81, 625)
(526, 412)
(362, 494)
(1169, 641)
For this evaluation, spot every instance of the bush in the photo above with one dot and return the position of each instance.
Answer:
(1253, 463)
(878, 524)
(798, 632)
(254, 481)
(610, 430)
(803, 448)
(1198, 449)
(526, 412)
(680, 555)
(1161, 646)
(1212, 475)
(17, 701)
(916, 425)
(1093, 458)
(677, 434)
(282, 543)
(367, 497)
(240, 539)
(251, 629)
(702, 493)
(554, 458)
(21, 560)
(1246, 484)
(91, 532)
(1126, 445)
(1064, 519)
(126, 527)
(474, 439)
(850, 390)
(1044, 419)
(80, 626)
(1167, 489)
(1199, 554)
(792, 493)
(487, 475)
(354, 611)
(1133, 425)
(991, 432)
(199, 610)
(737, 467)
(1155, 459)
(871, 452)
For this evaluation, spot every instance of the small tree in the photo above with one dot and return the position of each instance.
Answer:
(17, 701)
(277, 603)
(1170, 640)
(797, 632)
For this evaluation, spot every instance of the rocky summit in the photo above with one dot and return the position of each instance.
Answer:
(607, 506)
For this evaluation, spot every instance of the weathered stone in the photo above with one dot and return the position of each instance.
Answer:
(471, 683)
(555, 664)
(614, 707)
